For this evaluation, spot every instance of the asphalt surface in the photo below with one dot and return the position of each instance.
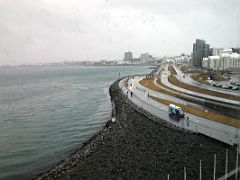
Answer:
(187, 79)
(219, 131)
(164, 80)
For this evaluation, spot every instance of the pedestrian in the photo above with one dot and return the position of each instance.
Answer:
(188, 121)
(131, 93)
(148, 95)
(127, 93)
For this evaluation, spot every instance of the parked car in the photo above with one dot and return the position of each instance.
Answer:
(235, 88)
(212, 83)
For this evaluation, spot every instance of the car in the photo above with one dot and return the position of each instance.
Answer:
(175, 112)
(212, 83)
(225, 87)
(218, 85)
(235, 88)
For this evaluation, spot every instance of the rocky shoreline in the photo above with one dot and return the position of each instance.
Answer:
(141, 146)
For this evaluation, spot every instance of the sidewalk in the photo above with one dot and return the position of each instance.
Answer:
(219, 131)
(190, 81)
(165, 81)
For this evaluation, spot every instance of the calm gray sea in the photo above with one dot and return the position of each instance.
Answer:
(47, 112)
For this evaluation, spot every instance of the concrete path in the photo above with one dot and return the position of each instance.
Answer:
(187, 79)
(164, 80)
(219, 131)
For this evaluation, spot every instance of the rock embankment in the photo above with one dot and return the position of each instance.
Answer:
(141, 146)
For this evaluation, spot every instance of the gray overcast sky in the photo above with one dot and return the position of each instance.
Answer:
(35, 31)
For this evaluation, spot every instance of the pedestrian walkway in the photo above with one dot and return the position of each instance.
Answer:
(164, 80)
(187, 79)
(219, 131)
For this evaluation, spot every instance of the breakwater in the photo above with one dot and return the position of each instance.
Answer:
(139, 145)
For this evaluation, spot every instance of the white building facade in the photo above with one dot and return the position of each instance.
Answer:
(217, 51)
(205, 63)
(214, 62)
(227, 60)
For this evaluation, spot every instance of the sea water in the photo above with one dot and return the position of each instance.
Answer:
(47, 112)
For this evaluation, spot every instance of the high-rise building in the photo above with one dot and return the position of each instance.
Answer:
(236, 50)
(144, 58)
(128, 56)
(200, 50)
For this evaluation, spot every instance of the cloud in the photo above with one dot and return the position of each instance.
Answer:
(56, 30)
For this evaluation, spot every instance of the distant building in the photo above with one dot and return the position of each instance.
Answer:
(214, 62)
(200, 50)
(205, 63)
(182, 59)
(234, 62)
(128, 56)
(135, 61)
(227, 51)
(144, 58)
(147, 58)
(236, 50)
(217, 51)
(227, 60)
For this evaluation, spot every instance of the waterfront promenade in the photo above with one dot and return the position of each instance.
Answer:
(222, 101)
(219, 131)
(139, 145)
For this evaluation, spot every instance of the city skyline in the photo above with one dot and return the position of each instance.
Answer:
(53, 31)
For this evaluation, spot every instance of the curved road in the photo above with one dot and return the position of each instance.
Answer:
(219, 100)
(192, 82)
(219, 131)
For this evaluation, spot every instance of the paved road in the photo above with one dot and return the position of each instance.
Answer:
(222, 132)
(190, 81)
(164, 80)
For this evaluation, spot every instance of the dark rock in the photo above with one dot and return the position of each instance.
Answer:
(140, 145)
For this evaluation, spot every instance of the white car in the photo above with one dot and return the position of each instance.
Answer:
(176, 111)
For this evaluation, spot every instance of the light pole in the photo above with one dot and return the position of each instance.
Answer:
(237, 156)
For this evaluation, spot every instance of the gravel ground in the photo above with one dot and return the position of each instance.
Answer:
(139, 147)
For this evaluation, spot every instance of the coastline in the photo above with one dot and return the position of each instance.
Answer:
(141, 146)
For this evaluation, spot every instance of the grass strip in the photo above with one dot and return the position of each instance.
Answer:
(201, 113)
(172, 70)
(202, 78)
(188, 70)
(149, 83)
(172, 79)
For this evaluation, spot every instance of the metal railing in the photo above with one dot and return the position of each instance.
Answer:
(225, 176)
